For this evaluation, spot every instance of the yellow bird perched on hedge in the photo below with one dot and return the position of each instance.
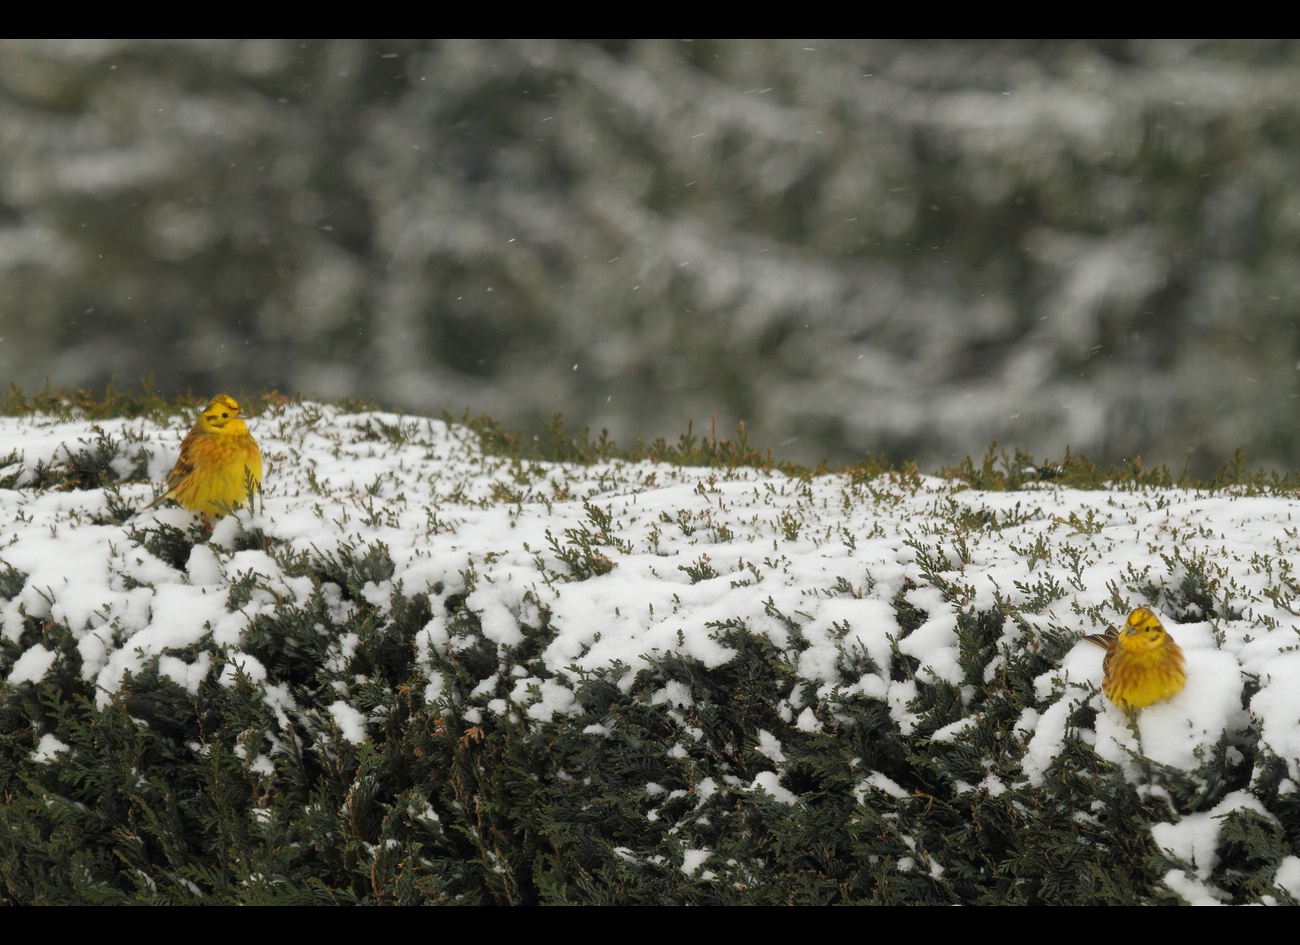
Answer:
(1143, 664)
(220, 465)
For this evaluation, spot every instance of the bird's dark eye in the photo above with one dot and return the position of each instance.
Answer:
(224, 415)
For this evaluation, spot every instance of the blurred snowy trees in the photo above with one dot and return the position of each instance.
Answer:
(907, 247)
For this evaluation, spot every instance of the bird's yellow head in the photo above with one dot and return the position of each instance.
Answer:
(223, 417)
(1143, 631)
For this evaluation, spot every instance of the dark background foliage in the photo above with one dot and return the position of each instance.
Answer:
(856, 247)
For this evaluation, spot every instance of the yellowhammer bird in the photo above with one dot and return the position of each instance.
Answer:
(218, 457)
(1143, 664)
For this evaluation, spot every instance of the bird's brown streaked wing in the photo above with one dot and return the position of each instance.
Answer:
(1103, 639)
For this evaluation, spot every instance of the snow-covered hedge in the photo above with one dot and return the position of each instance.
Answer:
(417, 671)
